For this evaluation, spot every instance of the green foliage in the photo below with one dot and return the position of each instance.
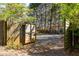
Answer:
(68, 38)
(70, 12)
(16, 11)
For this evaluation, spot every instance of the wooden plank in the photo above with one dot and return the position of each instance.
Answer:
(13, 35)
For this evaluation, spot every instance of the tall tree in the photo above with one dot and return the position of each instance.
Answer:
(34, 5)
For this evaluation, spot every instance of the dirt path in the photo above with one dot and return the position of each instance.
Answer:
(12, 52)
(46, 45)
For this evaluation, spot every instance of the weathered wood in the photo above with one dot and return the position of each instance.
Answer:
(30, 35)
(2, 32)
(13, 35)
(22, 34)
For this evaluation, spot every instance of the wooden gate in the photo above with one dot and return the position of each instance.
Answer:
(30, 33)
(13, 34)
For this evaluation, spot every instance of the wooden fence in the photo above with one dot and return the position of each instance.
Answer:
(15, 34)
(3, 32)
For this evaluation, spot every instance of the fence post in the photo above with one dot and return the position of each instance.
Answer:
(22, 34)
(5, 33)
(64, 31)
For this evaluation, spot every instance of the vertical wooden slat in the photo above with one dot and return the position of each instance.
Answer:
(2, 32)
(5, 33)
(22, 34)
